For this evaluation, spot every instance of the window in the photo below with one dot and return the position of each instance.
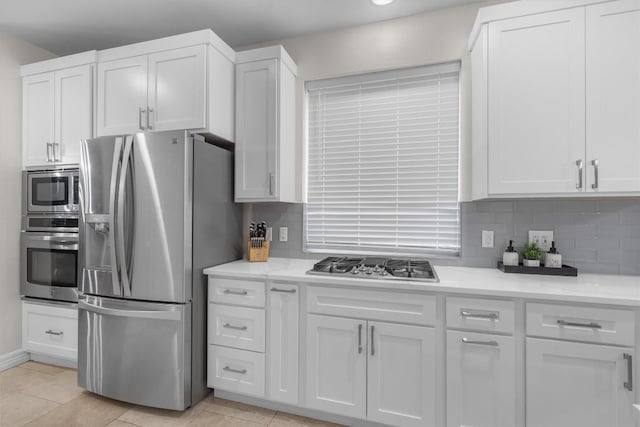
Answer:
(382, 172)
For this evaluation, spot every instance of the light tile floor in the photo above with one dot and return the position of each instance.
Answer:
(35, 394)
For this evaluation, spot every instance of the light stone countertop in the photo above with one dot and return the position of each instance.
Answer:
(586, 288)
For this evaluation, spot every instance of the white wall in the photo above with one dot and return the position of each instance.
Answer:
(427, 38)
(13, 53)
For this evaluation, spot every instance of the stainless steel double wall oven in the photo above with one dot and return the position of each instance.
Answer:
(49, 237)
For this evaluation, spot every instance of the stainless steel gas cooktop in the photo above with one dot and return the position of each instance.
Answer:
(376, 268)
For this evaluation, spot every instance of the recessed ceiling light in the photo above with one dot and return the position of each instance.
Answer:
(381, 2)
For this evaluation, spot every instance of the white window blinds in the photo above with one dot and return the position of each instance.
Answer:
(382, 167)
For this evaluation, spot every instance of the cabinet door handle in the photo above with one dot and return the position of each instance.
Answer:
(594, 162)
(580, 165)
(288, 291)
(235, 371)
(141, 111)
(149, 121)
(49, 147)
(232, 292)
(491, 343)
(489, 315)
(373, 350)
(238, 328)
(590, 325)
(56, 152)
(360, 338)
(629, 383)
(52, 332)
(271, 184)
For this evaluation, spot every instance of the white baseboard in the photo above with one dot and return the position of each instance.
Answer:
(52, 360)
(13, 359)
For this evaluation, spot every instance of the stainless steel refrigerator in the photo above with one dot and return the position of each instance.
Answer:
(156, 208)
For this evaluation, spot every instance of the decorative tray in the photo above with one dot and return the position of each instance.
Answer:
(566, 270)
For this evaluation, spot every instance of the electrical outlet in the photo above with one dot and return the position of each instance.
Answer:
(487, 238)
(284, 234)
(542, 238)
(269, 234)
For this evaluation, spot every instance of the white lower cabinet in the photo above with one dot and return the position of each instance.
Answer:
(336, 373)
(239, 371)
(50, 330)
(401, 387)
(379, 371)
(283, 346)
(576, 384)
(481, 380)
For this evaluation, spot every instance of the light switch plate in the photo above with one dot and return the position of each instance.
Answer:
(542, 238)
(487, 238)
(284, 234)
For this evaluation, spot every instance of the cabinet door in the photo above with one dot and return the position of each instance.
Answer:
(537, 103)
(37, 119)
(613, 96)
(575, 384)
(283, 343)
(73, 111)
(337, 365)
(480, 380)
(177, 89)
(122, 96)
(401, 375)
(256, 130)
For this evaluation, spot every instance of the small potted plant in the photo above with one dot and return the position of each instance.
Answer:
(531, 255)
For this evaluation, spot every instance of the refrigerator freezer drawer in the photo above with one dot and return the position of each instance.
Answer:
(239, 371)
(137, 352)
(237, 327)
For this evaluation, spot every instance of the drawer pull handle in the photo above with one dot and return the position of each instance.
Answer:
(52, 332)
(232, 292)
(477, 342)
(230, 326)
(288, 291)
(491, 315)
(629, 383)
(235, 371)
(591, 325)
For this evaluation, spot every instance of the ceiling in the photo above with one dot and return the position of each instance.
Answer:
(70, 26)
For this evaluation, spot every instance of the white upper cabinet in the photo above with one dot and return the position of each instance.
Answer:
(536, 103)
(122, 96)
(57, 109)
(37, 119)
(265, 126)
(177, 89)
(556, 97)
(180, 82)
(613, 97)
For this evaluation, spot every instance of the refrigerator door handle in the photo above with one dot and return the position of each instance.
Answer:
(124, 270)
(115, 169)
(138, 314)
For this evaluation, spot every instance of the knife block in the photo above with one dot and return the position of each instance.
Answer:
(259, 254)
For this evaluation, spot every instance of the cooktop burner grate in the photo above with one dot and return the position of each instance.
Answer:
(376, 268)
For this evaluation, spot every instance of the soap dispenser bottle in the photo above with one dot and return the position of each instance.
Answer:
(510, 256)
(553, 259)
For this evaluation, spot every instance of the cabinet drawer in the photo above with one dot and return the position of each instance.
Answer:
(237, 291)
(374, 305)
(237, 327)
(600, 325)
(50, 330)
(480, 314)
(240, 371)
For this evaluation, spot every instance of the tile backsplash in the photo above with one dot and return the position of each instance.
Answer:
(596, 236)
